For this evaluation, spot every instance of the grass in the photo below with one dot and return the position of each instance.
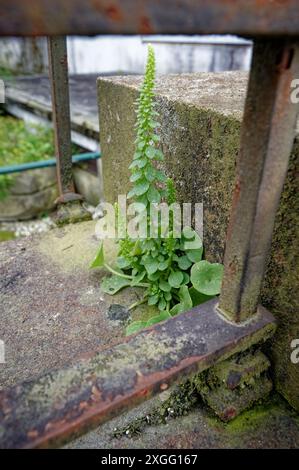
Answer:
(6, 73)
(22, 143)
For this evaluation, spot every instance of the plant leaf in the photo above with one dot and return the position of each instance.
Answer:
(150, 173)
(163, 265)
(159, 155)
(164, 285)
(153, 299)
(185, 302)
(184, 262)
(134, 327)
(160, 176)
(138, 278)
(131, 193)
(194, 244)
(177, 309)
(136, 176)
(185, 297)
(141, 187)
(153, 195)
(99, 260)
(154, 276)
(111, 285)
(137, 249)
(141, 145)
(162, 304)
(207, 277)
(188, 233)
(141, 163)
(175, 279)
(123, 263)
(194, 255)
(167, 296)
(151, 265)
(150, 152)
(199, 298)
(164, 315)
(186, 278)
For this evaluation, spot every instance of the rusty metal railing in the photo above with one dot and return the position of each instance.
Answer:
(266, 139)
(58, 71)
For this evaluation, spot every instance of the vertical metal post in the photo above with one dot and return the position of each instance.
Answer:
(58, 69)
(267, 135)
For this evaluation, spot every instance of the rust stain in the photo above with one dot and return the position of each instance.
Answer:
(229, 413)
(145, 25)
(233, 267)
(32, 434)
(114, 13)
(235, 200)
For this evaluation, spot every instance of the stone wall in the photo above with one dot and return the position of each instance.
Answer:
(34, 192)
(201, 116)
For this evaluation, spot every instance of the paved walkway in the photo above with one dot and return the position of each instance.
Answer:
(30, 97)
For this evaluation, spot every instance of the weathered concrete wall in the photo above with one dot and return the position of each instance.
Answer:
(24, 55)
(200, 117)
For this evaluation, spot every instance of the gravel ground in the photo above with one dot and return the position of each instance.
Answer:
(28, 227)
(42, 225)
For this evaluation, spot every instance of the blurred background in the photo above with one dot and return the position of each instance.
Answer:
(113, 54)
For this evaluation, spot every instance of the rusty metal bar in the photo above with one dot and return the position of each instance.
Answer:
(58, 71)
(56, 17)
(65, 403)
(267, 136)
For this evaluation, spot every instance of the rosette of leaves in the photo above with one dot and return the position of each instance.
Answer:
(171, 270)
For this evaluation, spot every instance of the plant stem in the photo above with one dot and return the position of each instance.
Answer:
(125, 276)
(140, 302)
(117, 273)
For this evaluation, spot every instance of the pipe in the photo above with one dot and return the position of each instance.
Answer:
(5, 170)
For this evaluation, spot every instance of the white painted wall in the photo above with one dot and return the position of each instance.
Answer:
(176, 54)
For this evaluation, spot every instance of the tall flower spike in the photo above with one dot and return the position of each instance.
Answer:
(144, 176)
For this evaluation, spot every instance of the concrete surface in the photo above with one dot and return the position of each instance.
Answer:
(52, 309)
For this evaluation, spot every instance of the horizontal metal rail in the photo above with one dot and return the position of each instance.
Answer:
(68, 402)
(243, 17)
(83, 157)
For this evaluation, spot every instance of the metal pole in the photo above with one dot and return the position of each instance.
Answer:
(58, 70)
(267, 135)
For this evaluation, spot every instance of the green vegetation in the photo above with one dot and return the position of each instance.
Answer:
(6, 235)
(22, 143)
(170, 268)
(6, 72)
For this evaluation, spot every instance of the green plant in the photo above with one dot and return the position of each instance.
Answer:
(22, 143)
(170, 269)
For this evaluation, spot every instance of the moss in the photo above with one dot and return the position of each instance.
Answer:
(252, 418)
(71, 213)
(181, 400)
(67, 247)
(6, 235)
